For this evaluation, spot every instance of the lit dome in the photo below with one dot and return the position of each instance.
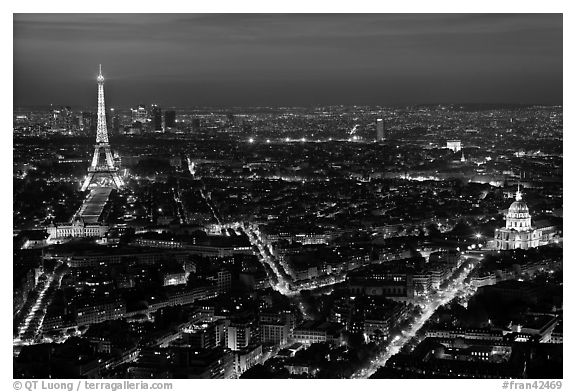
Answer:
(518, 207)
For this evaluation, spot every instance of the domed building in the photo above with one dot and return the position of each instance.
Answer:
(519, 232)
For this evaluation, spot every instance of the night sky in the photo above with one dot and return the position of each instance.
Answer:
(291, 59)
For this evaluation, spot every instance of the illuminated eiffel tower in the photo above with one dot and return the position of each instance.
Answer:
(102, 172)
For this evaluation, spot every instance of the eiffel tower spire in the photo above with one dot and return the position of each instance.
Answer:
(102, 173)
(102, 131)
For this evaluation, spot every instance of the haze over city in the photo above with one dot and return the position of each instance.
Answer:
(289, 59)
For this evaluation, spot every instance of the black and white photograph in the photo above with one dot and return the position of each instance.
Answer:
(301, 195)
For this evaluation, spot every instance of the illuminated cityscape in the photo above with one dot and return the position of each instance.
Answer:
(380, 241)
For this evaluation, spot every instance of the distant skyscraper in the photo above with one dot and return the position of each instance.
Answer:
(61, 118)
(140, 114)
(89, 120)
(156, 117)
(379, 129)
(170, 118)
(80, 121)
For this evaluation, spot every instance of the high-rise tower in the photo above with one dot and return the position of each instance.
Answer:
(102, 172)
(379, 129)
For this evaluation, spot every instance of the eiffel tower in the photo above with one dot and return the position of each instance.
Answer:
(102, 172)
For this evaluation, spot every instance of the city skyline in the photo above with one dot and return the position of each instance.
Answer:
(323, 242)
(289, 59)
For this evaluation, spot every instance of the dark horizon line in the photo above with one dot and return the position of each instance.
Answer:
(396, 105)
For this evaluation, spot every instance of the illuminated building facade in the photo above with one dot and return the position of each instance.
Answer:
(454, 145)
(519, 232)
(78, 228)
(240, 334)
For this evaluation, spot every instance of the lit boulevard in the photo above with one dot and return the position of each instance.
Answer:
(31, 326)
(428, 304)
